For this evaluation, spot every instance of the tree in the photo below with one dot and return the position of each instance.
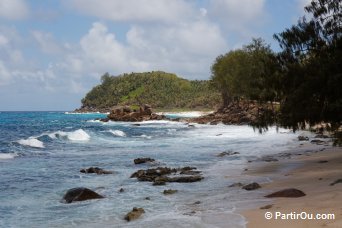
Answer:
(249, 73)
(311, 62)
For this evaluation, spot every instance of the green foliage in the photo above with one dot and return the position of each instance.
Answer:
(159, 89)
(250, 73)
(311, 59)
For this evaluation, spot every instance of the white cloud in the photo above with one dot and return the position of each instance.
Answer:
(13, 9)
(134, 10)
(236, 13)
(187, 49)
(46, 42)
(5, 75)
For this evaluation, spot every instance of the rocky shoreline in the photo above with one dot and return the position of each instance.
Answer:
(236, 113)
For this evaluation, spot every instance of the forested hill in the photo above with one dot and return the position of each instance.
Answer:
(158, 89)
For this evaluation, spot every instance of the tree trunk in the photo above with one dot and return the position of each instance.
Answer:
(226, 98)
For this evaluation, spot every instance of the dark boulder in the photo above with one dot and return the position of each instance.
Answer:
(80, 194)
(251, 186)
(159, 175)
(134, 214)
(290, 192)
(227, 153)
(303, 138)
(185, 179)
(143, 160)
(269, 159)
(317, 141)
(96, 170)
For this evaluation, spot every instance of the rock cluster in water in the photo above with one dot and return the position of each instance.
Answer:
(134, 214)
(96, 170)
(161, 175)
(127, 114)
(143, 160)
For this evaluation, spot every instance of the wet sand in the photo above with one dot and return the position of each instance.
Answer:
(313, 173)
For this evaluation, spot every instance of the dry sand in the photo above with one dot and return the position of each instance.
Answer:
(312, 173)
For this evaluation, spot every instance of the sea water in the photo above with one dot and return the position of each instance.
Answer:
(41, 154)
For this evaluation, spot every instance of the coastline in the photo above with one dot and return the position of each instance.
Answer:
(312, 172)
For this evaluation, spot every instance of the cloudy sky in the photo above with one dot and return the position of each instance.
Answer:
(52, 52)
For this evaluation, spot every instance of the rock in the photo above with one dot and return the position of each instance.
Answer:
(104, 120)
(336, 182)
(321, 136)
(169, 192)
(185, 179)
(317, 141)
(159, 175)
(267, 206)
(322, 161)
(160, 180)
(126, 114)
(290, 192)
(127, 109)
(303, 138)
(251, 186)
(197, 202)
(152, 174)
(190, 172)
(269, 159)
(96, 170)
(80, 194)
(227, 153)
(134, 214)
(143, 160)
(121, 190)
(147, 198)
(238, 184)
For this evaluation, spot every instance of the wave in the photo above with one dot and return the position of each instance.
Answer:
(5, 156)
(117, 133)
(78, 135)
(190, 114)
(31, 142)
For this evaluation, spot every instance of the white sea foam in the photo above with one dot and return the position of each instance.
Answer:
(191, 114)
(117, 133)
(4, 156)
(32, 142)
(94, 121)
(78, 135)
(84, 113)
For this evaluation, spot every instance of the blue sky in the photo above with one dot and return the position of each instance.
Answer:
(52, 52)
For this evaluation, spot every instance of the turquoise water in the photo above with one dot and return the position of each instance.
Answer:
(41, 154)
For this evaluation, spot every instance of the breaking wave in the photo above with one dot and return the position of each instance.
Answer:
(31, 142)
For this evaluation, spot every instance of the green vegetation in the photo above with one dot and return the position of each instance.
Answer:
(305, 77)
(249, 73)
(159, 89)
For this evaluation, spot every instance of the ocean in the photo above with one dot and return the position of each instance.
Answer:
(41, 154)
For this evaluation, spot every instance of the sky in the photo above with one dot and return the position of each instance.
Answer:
(53, 52)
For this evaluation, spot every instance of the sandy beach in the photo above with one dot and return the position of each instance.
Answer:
(314, 173)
